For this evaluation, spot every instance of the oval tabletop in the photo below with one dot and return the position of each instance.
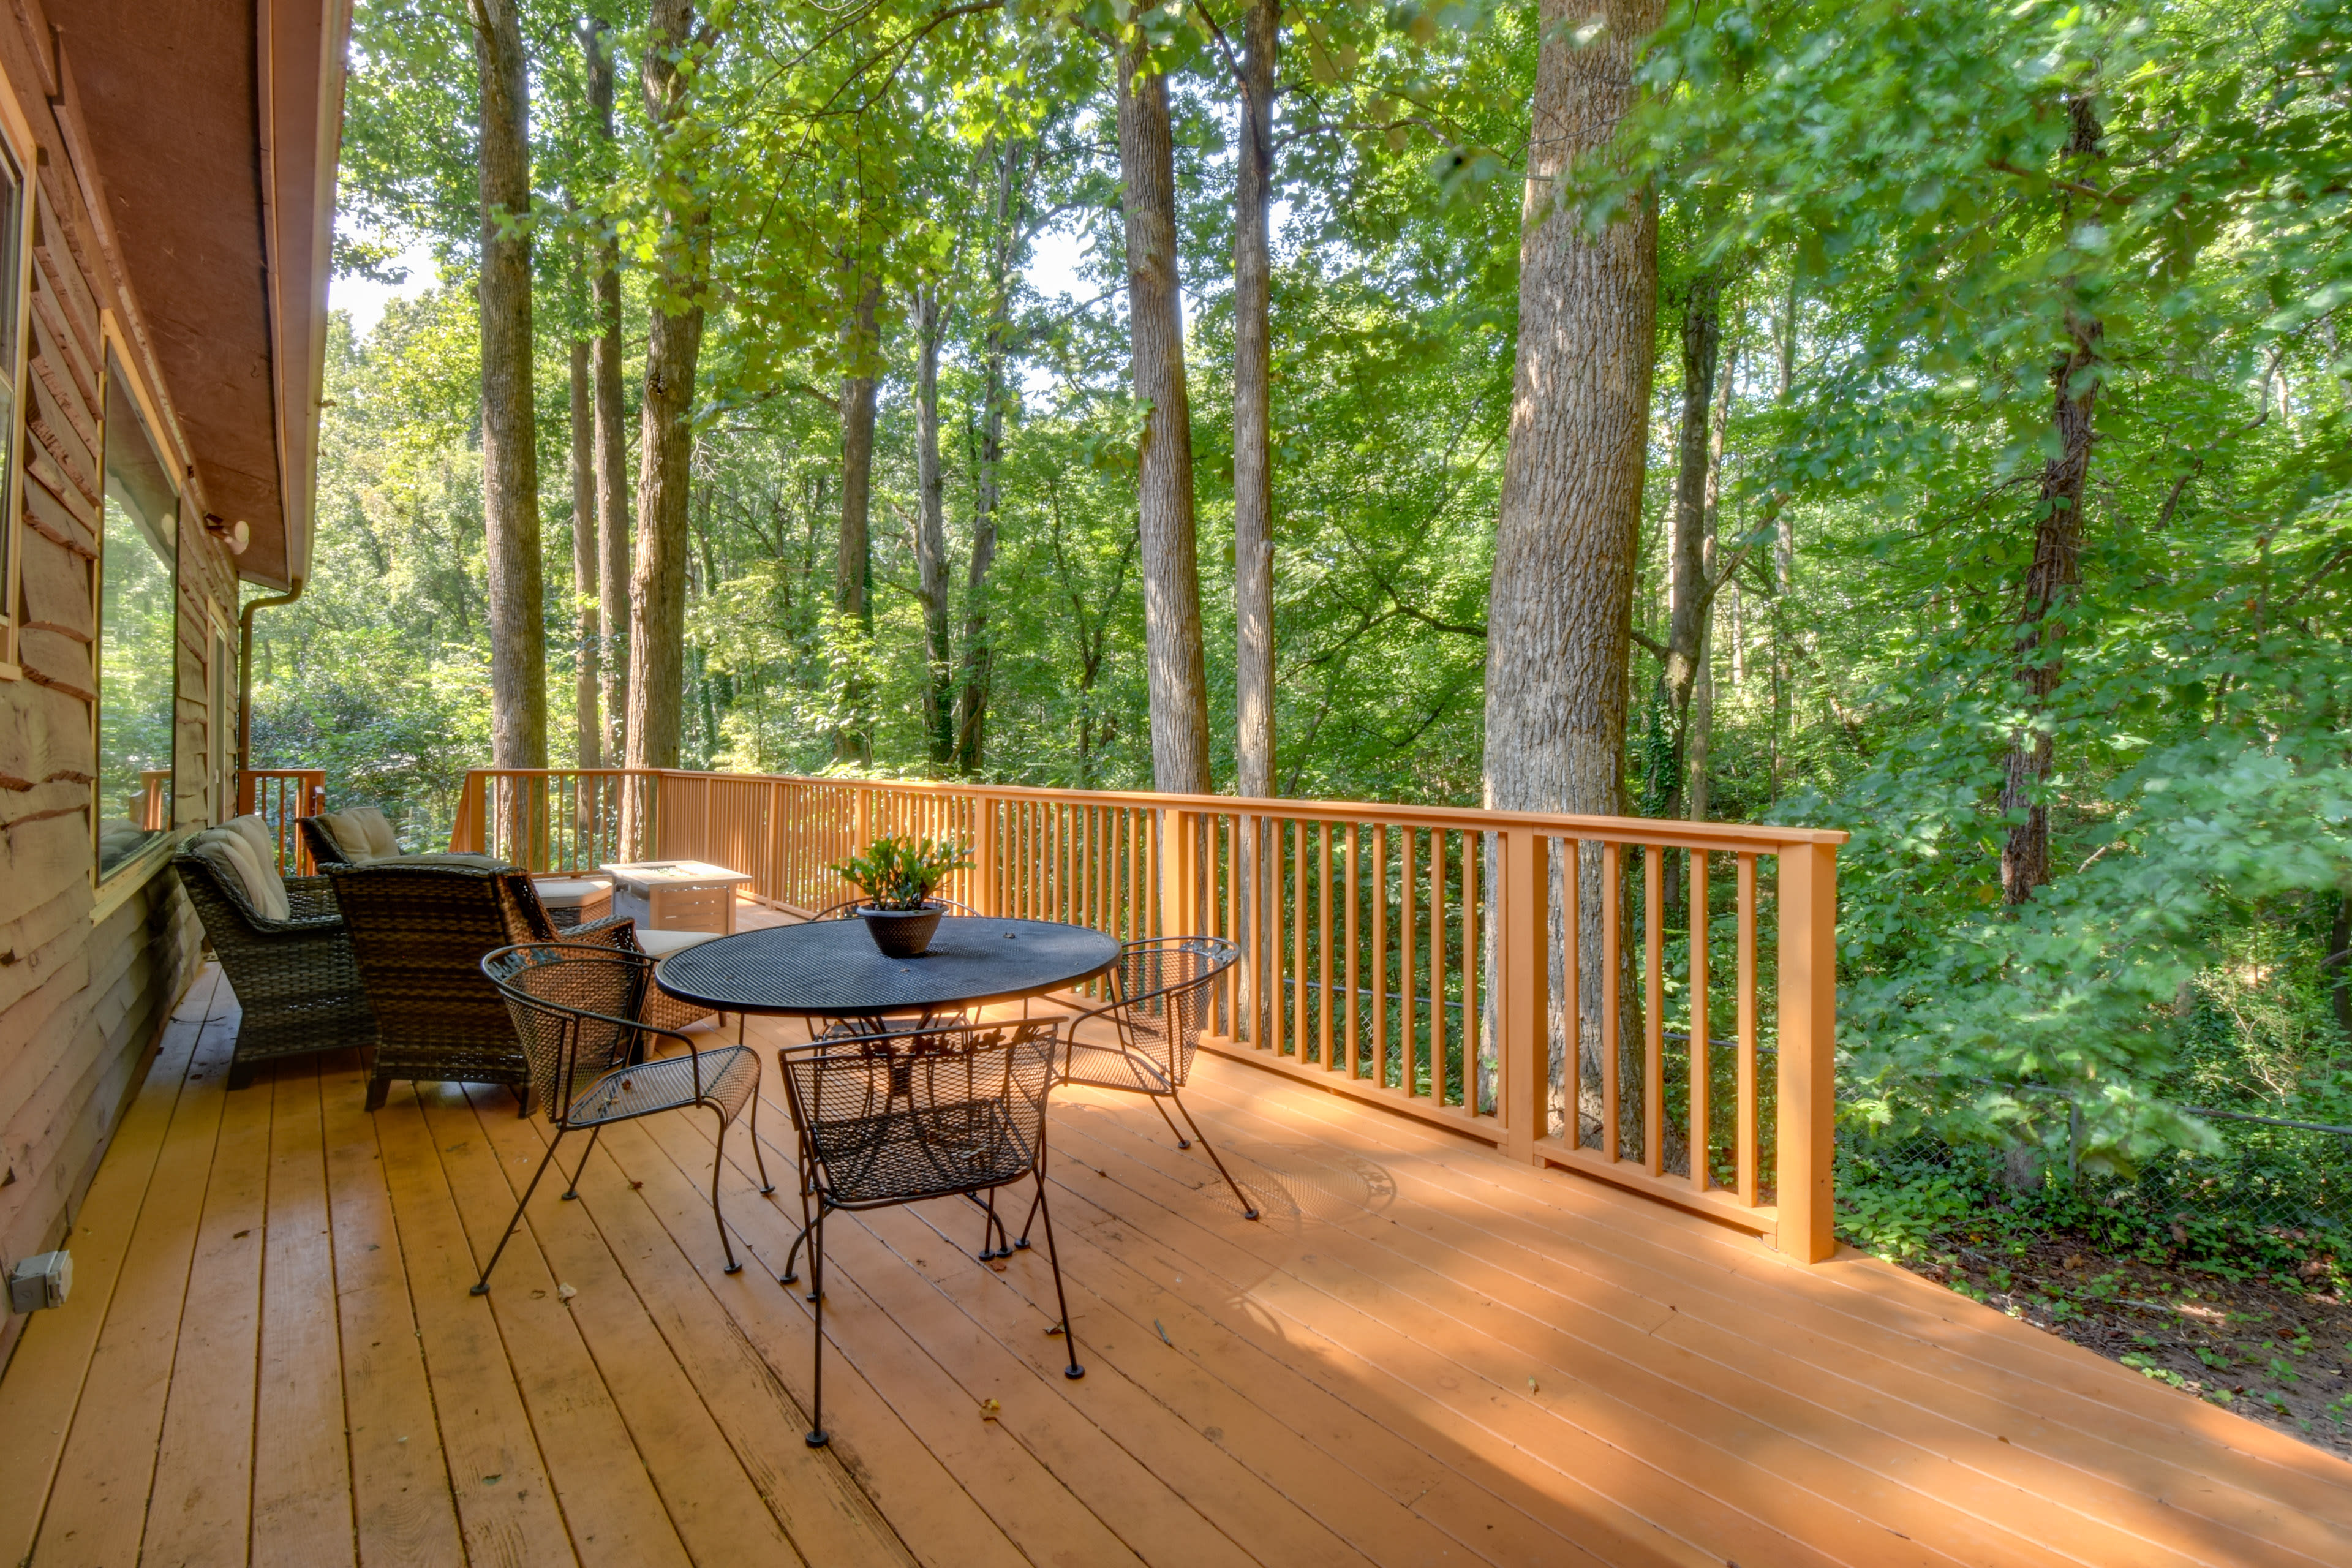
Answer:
(833, 967)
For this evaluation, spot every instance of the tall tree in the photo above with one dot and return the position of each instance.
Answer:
(1254, 750)
(590, 743)
(611, 436)
(2057, 568)
(1700, 749)
(930, 530)
(853, 742)
(665, 428)
(1011, 219)
(1691, 586)
(1559, 611)
(1172, 572)
(509, 428)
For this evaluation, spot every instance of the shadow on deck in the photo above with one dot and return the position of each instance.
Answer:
(1422, 1353)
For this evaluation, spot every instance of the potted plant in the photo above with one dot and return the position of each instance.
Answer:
(897, 877)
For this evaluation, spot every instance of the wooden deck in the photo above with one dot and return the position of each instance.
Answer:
(1424, 1353)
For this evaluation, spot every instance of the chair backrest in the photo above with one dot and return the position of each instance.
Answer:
(914, 1112)
(1160, 994)
(572, 1006)
(419, 933)
(324, 850)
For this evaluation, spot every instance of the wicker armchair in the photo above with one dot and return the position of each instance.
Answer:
(420, 928)
(295, 980)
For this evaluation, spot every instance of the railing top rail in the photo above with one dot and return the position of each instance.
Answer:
(1755, 837)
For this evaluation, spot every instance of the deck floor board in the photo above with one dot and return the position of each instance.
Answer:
(1421, 1355)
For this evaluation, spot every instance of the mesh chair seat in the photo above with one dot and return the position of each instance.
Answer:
(730, 1076)
(1115, 1067)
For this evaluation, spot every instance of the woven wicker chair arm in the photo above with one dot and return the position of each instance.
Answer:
(311, 898)
(597, 928)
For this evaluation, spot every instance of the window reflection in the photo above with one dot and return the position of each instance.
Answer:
(139, 646)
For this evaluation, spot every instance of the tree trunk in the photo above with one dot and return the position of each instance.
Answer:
(971, 702)
(1690, 590)
(509, 430)
(1559, 612)
(1171, 572)
(1784, 555)
(665, 436)
(2057, 567)
(1702, 715)
(589, 746)
(853, 740)
(930, 531)
(1253, 410)
(611, 436)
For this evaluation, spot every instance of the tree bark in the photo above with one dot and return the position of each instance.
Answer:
(1690, 590)
(612, 448)
(666, 432)
(2057, 568)
(930, 531)
(853, 740)
(1559, 612)
(1254, 750)
(588, 745)
(1171, 572)
(509, 430)
(971, 701)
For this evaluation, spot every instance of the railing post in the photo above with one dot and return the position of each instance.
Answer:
(985, 897)
(865, 817)
(1807, 1041)
(1523, 992)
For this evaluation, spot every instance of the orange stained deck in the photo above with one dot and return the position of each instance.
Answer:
(1424, 1353)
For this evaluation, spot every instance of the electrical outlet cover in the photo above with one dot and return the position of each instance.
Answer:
(42, 1280)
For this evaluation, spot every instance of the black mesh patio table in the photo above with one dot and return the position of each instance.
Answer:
(832, 968)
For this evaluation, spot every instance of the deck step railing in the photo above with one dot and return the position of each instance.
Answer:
(1539, 981)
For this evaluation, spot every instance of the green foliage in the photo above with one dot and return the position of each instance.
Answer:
(897, 873)
(1885, 193)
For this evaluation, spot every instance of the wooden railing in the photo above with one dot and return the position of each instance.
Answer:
(1534, 980)
(279, 796)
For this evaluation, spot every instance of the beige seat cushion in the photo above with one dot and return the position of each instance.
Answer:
(570, 892)
(227, 851)
(662, 944)
(257, 836)
(362, 832)
(452, 858)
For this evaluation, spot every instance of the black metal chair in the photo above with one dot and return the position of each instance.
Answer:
(901, 1116)
(574, 1006)
(1160, 992)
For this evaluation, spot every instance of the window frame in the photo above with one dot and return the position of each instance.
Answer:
(16, 136)
(115, 359)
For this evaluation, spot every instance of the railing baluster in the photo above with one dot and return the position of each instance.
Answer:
(1323, 943)
(1744, 1155)
(1354, 1033)
(1700, 1083)
(1613, 972)
(1571, 920)
(1470, 1020)
(1440, 1047)
(1380, 953)
(1654, 1021)
(1408, 932)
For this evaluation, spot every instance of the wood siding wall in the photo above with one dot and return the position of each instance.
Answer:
(82, 995)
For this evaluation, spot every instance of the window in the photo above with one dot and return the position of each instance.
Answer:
(15, 259)
(138, 628)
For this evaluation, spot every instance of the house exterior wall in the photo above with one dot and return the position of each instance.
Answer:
(88, 972)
